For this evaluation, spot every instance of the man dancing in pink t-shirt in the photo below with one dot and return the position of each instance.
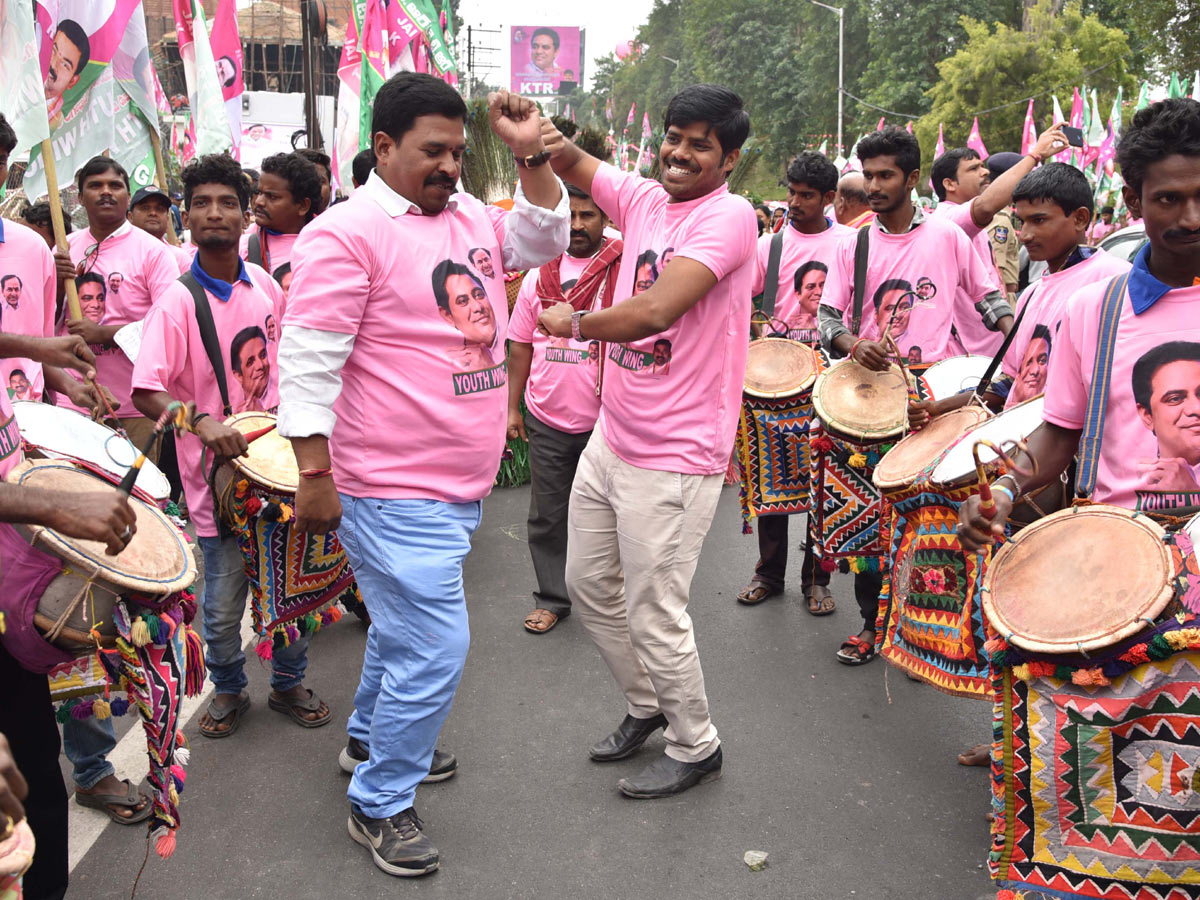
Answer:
(397, 441)
(649, 480)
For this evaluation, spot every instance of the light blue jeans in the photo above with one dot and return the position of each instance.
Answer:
(408, 558)
(226, 590)
(87, 743)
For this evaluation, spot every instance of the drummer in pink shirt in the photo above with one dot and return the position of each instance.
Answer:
(396, 441)
(649, 480)
(289, 196)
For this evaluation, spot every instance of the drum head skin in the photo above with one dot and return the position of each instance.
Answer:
(158, 561)
(58, 433)
(1079, 580)
(902, 464)
(779, 367)
(864, 405)
(272, 462)
(954, 375)
(958, 465)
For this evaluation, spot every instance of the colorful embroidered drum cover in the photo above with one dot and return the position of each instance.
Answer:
(846, 502)
(773, 450)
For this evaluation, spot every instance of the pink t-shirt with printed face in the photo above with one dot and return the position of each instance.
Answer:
(423, 408)
(561, 390)
(10, 433)
(804, 271)
(1150, 446)
(276, 248)
(975, 336)
(182, 257)
(173, 359)
(671, 401)
(1027, 359)
(27, 300)
(135, 268)
(935, 260)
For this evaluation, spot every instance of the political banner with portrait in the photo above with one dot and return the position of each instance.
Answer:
(98, 86)
(544, 57)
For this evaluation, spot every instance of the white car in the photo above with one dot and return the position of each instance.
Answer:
(1125, 243)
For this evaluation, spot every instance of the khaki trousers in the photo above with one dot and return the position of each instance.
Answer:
(139, 429)
(633, 541)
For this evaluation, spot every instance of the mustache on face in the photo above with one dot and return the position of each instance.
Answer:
(579, 234)
(1172, 234)
(439, 181)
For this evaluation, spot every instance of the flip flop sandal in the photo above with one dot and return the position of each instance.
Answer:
(820, 593)
(866, 651)
(540, 617)
(295, 709)
(756, 593)
(218, 714)
(129, 800)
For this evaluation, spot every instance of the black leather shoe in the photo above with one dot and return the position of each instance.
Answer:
(666, 776)
(630, 735)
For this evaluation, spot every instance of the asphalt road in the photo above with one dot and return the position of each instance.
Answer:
(845, 777)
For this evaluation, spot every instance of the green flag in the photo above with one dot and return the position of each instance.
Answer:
(1095, 131)
(824, 148)
(1143, 99)
(1115, 116)
(1175, 89)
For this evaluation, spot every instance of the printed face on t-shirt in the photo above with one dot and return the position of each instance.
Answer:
(91, 300)
(269, 325)
(646, 272)
(895, 306)
(1166, 388)
(251, 366)
(810, 285)
(463, 303)
(482, 261)
(115, 280)
(10, 286)
(914, 355)
(18, 385)
(1031, 376)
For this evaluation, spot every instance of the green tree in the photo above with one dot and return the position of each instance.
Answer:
(1161, 32)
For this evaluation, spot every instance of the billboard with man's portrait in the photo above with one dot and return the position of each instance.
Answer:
(544, 57)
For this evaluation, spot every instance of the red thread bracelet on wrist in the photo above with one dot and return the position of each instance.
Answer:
(316, 473)
(854, 347)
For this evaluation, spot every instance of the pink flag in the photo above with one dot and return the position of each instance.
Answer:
(940, 147)
(908, 127)
(975, 142)
(1076, 110)
(1108, 149)
(227, 52)
(402, 32)
(1028, 131)
(879, 127)
(645, 124)
(629, 118)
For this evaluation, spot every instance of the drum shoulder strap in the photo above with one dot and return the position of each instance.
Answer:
(994, 365)
(254, 249)
(1093, 423)
(208, 334)
(861, 255)
(771, 285)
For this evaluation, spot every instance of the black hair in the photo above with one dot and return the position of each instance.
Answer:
(317, 158)
(38, 215)
(98, 165)
(471, 253)
(14, 275)
(891, 284)
(240, 340)
(1041, 332)
(798, 278)
(815, 170)
(233, 77)
(1058, 182)
(406, 96)
(550, 33)
(1162, 129)
(663, 341)
(894, 142)
(762, 207)
(360, 168)
(1154, 359)
(946, 166)
(578, 193)
(215, 168)
(1107, 209)
(20, 372)
(648, 257)
(442, 271)
(92, 278)
(302, 177)
(8, 137)
(715, 105)
(77, 36)
(279, 273)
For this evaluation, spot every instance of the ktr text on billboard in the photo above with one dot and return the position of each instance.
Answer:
(546, 59)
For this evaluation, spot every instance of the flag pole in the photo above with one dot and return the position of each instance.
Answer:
(161, 177)
(56, 221)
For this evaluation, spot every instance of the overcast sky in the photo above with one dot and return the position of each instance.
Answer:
(608, 22)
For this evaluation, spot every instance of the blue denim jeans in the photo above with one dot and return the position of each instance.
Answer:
(87, 743)
(226, 590)
(408, 558)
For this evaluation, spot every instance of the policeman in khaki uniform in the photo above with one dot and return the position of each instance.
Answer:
(1002, 232)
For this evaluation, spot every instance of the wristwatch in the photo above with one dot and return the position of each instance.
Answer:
(532, 162)
(576, 317)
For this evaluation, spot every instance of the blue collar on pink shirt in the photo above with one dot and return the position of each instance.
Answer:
(222, 290)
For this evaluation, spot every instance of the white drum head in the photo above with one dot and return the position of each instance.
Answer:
(954, 375)
(58, 433)
(1011, 425)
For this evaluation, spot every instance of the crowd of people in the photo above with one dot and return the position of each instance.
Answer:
(621, 361)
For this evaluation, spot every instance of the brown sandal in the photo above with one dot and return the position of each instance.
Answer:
(756, 592)
(540, 621)
(820, 601)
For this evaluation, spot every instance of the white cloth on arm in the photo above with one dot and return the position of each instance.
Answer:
(310, 379)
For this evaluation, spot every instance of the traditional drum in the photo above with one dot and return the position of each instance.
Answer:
(953, 376)
(296, 578)
(50, 432)
(772, 438)
(1097, 735)
(900, 466)
(156, 563)
(861, 405)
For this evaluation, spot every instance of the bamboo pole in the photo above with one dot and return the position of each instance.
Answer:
(161, 177)
(56, 221)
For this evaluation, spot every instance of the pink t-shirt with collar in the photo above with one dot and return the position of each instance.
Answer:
(1150, 446)
(1046, 301)
(796, 304)
(561, 390)
(276, 248)
(137, 268)
(671, 401)
(182, 257)
(424, 403)
(173, 359)
(975, 336)
(935, 260)
(27, 303)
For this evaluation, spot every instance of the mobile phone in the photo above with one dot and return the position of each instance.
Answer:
(1074, 136)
